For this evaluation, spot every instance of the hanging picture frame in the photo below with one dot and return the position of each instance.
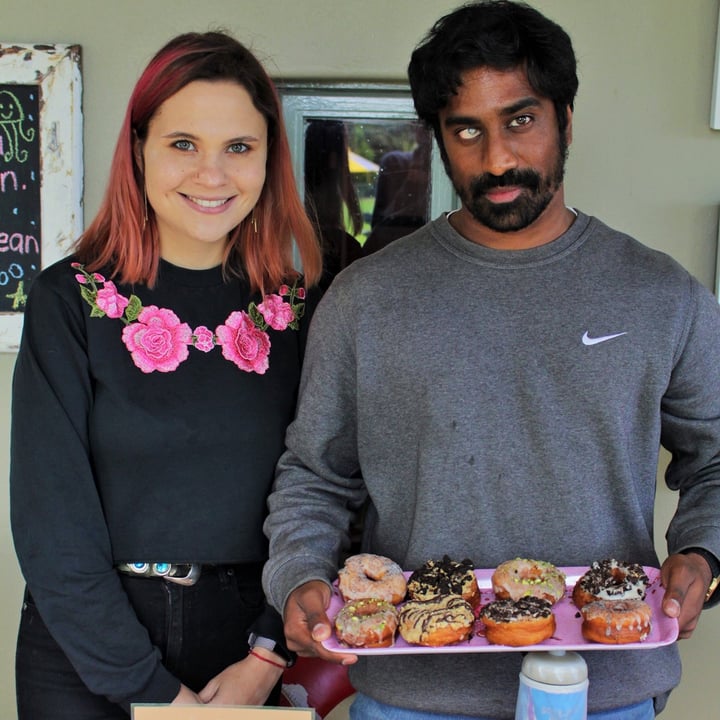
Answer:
(41, 169)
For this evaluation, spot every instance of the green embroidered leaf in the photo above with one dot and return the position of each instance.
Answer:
(97, 312)
(134, 308)
(299, 310)
(88, 295)
(256, 316)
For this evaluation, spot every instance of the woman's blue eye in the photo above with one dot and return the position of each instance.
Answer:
(183, 145)
(238, 148)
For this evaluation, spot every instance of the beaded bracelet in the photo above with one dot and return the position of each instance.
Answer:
(267, 660)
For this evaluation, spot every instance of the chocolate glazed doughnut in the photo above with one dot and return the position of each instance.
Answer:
(526, 621)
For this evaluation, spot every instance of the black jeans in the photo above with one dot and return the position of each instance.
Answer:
(200, 630)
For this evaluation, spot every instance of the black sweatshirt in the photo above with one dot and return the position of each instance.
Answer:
(112, 464)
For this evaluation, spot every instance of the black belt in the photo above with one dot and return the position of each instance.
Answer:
(186, 573)
(180, 573)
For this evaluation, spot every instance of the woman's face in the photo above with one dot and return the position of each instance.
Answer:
(204, 162)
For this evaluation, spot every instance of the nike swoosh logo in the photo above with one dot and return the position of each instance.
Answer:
(587, 340)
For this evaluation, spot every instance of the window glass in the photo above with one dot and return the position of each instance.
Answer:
(368, 171)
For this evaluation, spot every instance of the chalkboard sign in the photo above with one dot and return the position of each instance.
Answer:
(40, 169)
(20, 226)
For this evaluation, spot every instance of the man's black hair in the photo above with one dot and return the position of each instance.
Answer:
(496, 34)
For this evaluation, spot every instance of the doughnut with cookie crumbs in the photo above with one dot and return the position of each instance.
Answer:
(444, 577)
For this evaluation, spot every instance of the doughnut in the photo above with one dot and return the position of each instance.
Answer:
(371, 576)
(616, 622)
(444, 577)
(367, 623)
(522, 577)
(526, 621)
(443, 620)
(610, 580)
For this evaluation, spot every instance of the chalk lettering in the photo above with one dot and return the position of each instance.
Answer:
(5, 175)
(19, 243)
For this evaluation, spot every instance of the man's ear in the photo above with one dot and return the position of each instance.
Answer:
(568, 128)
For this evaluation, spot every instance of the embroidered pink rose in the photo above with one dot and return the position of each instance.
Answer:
(243, 343)
(203, 338)
(277, 313)
(158, 340)
(110, 301)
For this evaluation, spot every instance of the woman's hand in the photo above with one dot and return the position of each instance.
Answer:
(186, 697)
(248, 682)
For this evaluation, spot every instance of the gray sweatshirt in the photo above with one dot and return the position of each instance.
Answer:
(496, 404)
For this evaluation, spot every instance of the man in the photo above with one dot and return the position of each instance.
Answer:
(498, 384)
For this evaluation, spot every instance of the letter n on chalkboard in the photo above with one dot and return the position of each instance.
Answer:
(41, 172)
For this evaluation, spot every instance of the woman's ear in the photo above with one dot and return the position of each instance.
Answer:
(138, 152)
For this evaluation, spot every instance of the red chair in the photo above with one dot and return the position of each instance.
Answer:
(317, 684)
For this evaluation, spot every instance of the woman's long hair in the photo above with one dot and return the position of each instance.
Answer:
(123, 235)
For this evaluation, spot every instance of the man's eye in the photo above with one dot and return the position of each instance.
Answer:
(468, 133)
(521, 121)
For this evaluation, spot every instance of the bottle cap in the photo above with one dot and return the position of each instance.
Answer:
(555, 667)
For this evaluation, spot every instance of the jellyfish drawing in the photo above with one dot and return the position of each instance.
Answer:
(13, 127)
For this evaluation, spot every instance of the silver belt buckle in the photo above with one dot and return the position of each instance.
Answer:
(180, 573)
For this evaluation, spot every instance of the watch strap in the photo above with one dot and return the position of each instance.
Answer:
(714, 565)
(255, 640)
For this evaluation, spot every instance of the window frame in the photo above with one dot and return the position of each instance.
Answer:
(356, 102)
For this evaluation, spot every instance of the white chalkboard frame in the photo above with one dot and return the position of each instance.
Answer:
(715, 102)
(56, 69)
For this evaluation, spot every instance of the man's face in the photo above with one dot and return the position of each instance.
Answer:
(504, 153)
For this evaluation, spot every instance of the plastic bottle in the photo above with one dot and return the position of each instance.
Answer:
(553, 685)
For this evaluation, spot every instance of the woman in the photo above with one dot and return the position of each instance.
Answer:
(330, 195)
(159, 365)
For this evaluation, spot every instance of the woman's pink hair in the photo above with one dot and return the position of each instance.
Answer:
(121, 239)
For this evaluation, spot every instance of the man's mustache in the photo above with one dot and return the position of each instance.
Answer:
(515, 178)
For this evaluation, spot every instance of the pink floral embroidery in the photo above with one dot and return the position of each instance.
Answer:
(158, 340)
(244, 343)
(110, 301)
(277, 313)
(203, 338)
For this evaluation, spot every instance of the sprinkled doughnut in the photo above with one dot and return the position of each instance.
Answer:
(444, 620)
(371, 576)
(444, 577)
(615, 622)
(526, 621)
(367, 623)
(522, 577)
(610, 580)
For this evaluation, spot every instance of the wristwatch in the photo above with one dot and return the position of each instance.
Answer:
(255, 640)
(714, 564)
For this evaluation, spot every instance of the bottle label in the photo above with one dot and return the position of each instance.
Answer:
(537, 701)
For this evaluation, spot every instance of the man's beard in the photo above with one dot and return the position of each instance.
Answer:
(526, 208)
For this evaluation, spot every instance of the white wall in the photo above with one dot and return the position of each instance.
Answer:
(643, 158)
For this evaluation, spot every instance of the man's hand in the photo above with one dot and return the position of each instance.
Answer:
(686, 579)
(307, 623)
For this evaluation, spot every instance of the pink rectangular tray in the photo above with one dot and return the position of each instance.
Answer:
(567, 634)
